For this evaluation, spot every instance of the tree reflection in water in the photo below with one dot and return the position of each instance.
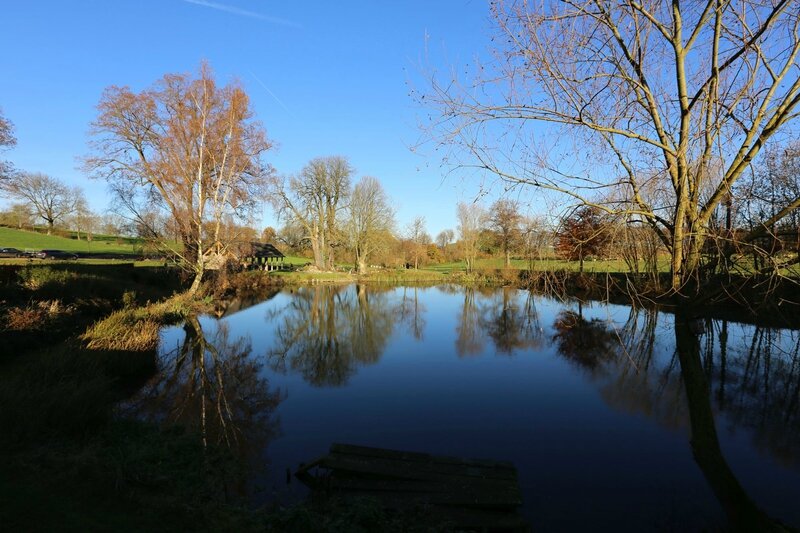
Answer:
(326, 332)
(499, 316)
(590, 344)
(212, 385)
(411, 312)
(512, 326)
(757, 383)
(742, 513)
(756, 386)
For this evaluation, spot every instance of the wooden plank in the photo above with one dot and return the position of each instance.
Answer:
(402, 470)
(484, 519)
(460, 516)
(417, 456)
(405, 500)
(472, 493)
(474, 488)
(444, 494)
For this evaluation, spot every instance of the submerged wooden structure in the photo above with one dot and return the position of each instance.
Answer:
(470, 494)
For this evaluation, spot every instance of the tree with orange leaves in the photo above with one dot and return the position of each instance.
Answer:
(582, 234)
(186, 146)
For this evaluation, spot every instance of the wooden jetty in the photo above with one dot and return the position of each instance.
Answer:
(471, 494)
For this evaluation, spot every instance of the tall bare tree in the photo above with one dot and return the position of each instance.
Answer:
(761, 195)
(186, 146)
(444, 238)
(419, 238)
(537, 238)
(314, 199)
(49, 198)
(471, 218)
(370, 219)
(505, 219)
(83, 220)
(677, 96)
(7, 140)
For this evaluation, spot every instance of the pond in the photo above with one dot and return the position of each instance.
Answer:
(616, 418)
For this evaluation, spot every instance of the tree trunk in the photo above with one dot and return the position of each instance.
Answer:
(198, 279)
(742, 512)
(508, 258)
(691, 265)
(330, 259)
(319, 260)
(676, 258)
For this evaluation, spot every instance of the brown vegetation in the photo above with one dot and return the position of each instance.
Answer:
(187, 147)
(137, 328)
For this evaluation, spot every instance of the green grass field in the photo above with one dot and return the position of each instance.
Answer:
(296, 260)
(33, 240)
(606, 265)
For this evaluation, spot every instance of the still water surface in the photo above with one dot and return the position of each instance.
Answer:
(616, 418)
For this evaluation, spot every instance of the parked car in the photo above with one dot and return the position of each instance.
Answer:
(11, 252)
(56, 254)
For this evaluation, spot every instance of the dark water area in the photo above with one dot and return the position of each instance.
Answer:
(617, 419)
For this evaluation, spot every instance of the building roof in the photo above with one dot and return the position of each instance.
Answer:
(265, 250)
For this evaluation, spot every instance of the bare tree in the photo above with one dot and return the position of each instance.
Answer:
(7, 140)
(536, 239)
(83, 220)
(370, 219)
(759, 197)
(470, 222)
(418, 238)
(314, 199)
(188, 147)
(505, 219)
(685, 93)
(49, 198)
(293, 236)
(444, 238)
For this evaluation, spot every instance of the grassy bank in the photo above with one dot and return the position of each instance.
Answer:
(543, 265)
(68, 463)
(135, 328)
(68, 241)
(42, 305)
(84, 338)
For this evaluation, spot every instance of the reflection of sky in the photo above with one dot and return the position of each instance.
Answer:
(619, 466)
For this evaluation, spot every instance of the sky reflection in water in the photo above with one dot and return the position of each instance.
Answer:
(587, 400)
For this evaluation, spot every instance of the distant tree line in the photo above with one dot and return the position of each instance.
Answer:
(186, 162)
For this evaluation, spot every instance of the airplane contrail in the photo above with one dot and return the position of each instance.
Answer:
(243, 12)
(264, 85)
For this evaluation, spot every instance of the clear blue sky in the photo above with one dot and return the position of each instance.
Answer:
(325, 78)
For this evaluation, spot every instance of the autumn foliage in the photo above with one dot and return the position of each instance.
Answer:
(582, 234)
(186, 147)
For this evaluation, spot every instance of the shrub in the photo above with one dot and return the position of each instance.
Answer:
(36, 316)
(34, 278)
(129, 299)
(24, 318)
